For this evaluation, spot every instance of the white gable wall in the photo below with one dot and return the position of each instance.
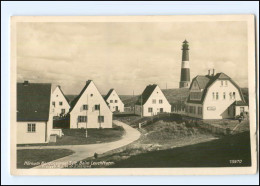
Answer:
(58, 97)
(114, 97)
(91, 113)
(25, 137)
(218, 109)
(157, 95)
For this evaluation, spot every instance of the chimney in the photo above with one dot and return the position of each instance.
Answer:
(26, 83)
(58, 86)
(209, 72)
(213, 72)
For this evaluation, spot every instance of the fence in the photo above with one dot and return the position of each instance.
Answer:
(61, 123)
(161, 116)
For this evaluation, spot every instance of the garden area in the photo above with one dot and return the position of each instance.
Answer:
(78, 136)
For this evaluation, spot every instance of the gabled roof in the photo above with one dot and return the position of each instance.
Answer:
(74, 102)
(146, 94)
(201, 80)
(63, 94)
(33, 101)
(212, 79)
(108, 94)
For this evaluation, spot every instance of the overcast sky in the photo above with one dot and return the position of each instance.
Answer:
(128, 56)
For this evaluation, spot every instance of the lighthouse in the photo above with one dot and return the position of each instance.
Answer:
(185, 66)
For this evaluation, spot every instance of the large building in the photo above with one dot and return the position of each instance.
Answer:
(215, 97)
(151, 102)
(114, 102)
(89, 109)
(60, 103)
(34, 115)
(185, 66)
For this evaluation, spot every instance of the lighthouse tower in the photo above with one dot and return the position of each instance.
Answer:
(185, 66)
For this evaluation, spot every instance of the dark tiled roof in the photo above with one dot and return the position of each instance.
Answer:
(146, 94)
(202, 81)
(108, 94)
(212, 79)
(33, 101)
(75, 100)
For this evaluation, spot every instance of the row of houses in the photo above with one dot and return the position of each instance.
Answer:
(212, 96)
(38, 108)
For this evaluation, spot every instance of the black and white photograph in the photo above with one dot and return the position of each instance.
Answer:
(137, 95)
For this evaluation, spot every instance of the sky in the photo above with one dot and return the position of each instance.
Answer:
(127, 56)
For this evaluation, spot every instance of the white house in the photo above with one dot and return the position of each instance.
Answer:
(34, 115)
(114, 102)
(215, 97)
(151, 102)
(89, 109)
(60, 103)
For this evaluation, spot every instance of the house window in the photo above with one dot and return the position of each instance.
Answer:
(31, 127)
(234, 95)
(161, 110)
(91, 95)
(62, 111)
(115, 101)
(230, 95)
(160, 101)
(224, 95)
(213, 95)
(200, 110)
(60, 103)
(111, 101)
(242, 109)
(154, 101)
(192, 109)
(97, 107)
(221, 83)
(150, 109)
(226, 83)
(82, 118)
(53, 103)
(101, 119)
(217, 96)
(85, 107)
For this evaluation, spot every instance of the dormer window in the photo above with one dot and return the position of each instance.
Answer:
(195, 95)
